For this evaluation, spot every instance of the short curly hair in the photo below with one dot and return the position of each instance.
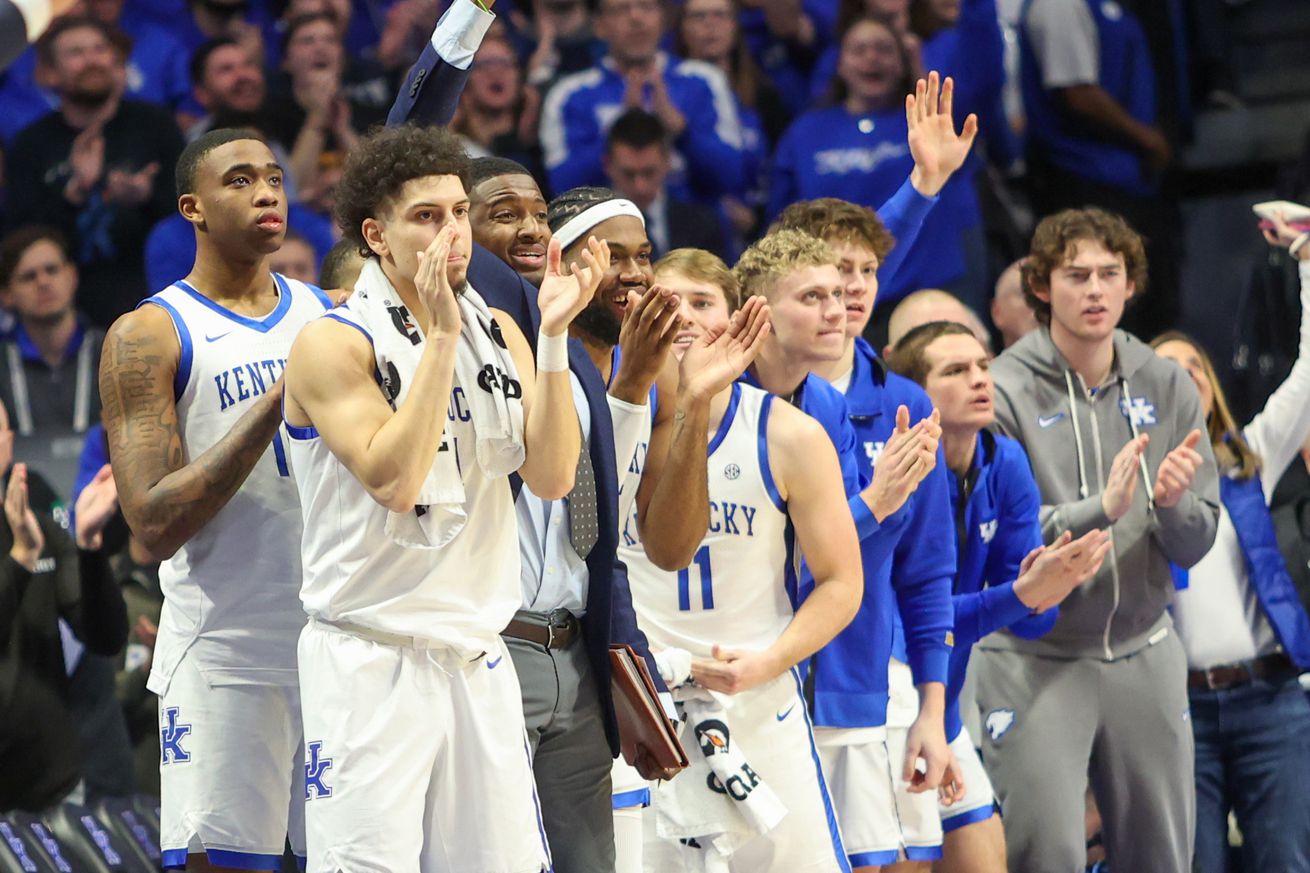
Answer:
(380, 165)
(834, 220)
(1056, 239)
(777, 254)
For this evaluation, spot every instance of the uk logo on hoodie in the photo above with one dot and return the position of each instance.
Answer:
(1139, 410)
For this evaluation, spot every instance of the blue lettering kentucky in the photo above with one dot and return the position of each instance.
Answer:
(170, 739)
(315, 766)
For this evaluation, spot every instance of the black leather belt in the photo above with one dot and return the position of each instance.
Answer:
(560, 631)
(1228, 676)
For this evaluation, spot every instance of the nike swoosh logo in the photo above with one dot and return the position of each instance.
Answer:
(491, 665)
(782, 715)
(1048, 420)
(216, 337)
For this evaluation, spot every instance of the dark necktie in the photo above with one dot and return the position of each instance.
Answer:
(584, 521)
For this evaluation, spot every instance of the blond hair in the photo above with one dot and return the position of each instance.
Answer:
(702, 266)
(777, 254)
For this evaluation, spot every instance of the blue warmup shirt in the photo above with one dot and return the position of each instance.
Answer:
(995, 510)
(580, 108)
(786, 65)
(1125, 71)
(863, 159)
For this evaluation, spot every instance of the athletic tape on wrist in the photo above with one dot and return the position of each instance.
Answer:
(552, 353)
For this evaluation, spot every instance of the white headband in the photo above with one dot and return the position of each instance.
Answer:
(577, 226)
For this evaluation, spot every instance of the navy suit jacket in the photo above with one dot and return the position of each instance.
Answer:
(610, 616)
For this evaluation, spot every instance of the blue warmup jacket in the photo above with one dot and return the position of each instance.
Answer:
(996, 525)
(915, 583)
(1075, 145)
(580, 108)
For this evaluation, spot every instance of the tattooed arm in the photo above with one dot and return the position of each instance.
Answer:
(165, 499)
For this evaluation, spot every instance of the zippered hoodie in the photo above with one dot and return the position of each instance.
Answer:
(1072, 432)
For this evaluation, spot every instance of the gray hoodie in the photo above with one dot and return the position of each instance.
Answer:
(1072, 434)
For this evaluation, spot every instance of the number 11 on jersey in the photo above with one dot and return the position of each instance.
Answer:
(702, 562)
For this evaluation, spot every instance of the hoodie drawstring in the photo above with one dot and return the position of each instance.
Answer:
(1083, 490)
(1141, 459)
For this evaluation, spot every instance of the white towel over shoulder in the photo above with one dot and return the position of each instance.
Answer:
(484, 369)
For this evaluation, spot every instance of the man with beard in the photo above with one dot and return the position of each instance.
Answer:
(91, 169)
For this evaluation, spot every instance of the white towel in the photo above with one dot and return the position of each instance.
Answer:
(720, 802)
(485, 370)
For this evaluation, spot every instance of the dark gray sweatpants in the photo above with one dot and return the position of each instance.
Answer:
(1051, 724)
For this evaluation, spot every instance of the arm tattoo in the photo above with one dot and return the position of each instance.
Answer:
(165, 499)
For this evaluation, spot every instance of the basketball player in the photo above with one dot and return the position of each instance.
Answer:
(1006, 577)
(414, 726)
(908, 557)
(190, 383)
(775, 487)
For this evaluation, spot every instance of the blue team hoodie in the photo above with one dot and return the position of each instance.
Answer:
(579, 109)
(846, 691)
(995, 508)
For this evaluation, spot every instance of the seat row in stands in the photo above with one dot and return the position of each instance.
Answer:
(119, 835)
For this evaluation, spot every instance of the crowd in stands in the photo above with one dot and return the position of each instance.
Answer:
(712, 116)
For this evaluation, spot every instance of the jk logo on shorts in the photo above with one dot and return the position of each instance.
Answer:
(170, 739)
(315, 766)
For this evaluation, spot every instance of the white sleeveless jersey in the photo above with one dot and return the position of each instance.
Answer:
(461, 595)
(735, 591)
(230, 591)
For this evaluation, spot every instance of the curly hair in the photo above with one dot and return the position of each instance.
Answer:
(777, 254)
(1056, 239)
(380, 165)
(834, 220)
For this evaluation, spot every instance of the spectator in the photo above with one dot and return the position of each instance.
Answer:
(783, 37)
(92, 169)
(859, 149)
(929, 305)
(691, 99)
(497, 115)
(48, 580)
(1090, 98)
(296, 259)
(138, 581)
(48, 368)
(157, 63)
(209, 19)
(1243, 626)
(1011, 313)
(226, 80)
(637, 163)
(407, 25)
(565, 41)
(314, 41)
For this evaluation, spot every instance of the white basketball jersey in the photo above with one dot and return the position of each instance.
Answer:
(461, 595)
(230, 591)
(735, 592)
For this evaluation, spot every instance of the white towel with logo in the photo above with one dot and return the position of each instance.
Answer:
(720, 802)
(485, 370)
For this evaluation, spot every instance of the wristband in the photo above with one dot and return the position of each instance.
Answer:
(1298, 244)
(552, 353)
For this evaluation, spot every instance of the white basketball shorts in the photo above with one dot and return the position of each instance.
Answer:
(979, 798)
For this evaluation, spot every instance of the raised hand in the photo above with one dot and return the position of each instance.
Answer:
(28, 537)
(87, 160)
(1177, 471)
(565, 292)
(650, 325)
(906, 460)
(732, 671)
(433, 285)
(937, 149)
(713, 361)
(1121, 484)
(131, 189)
(96, 505)
(1049, 573)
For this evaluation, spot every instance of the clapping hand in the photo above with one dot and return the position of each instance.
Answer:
(650, 325)
(29, 540)
(96, 505)
(906, 460)
(566, 291)
(1178, 470)
(714, 361)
